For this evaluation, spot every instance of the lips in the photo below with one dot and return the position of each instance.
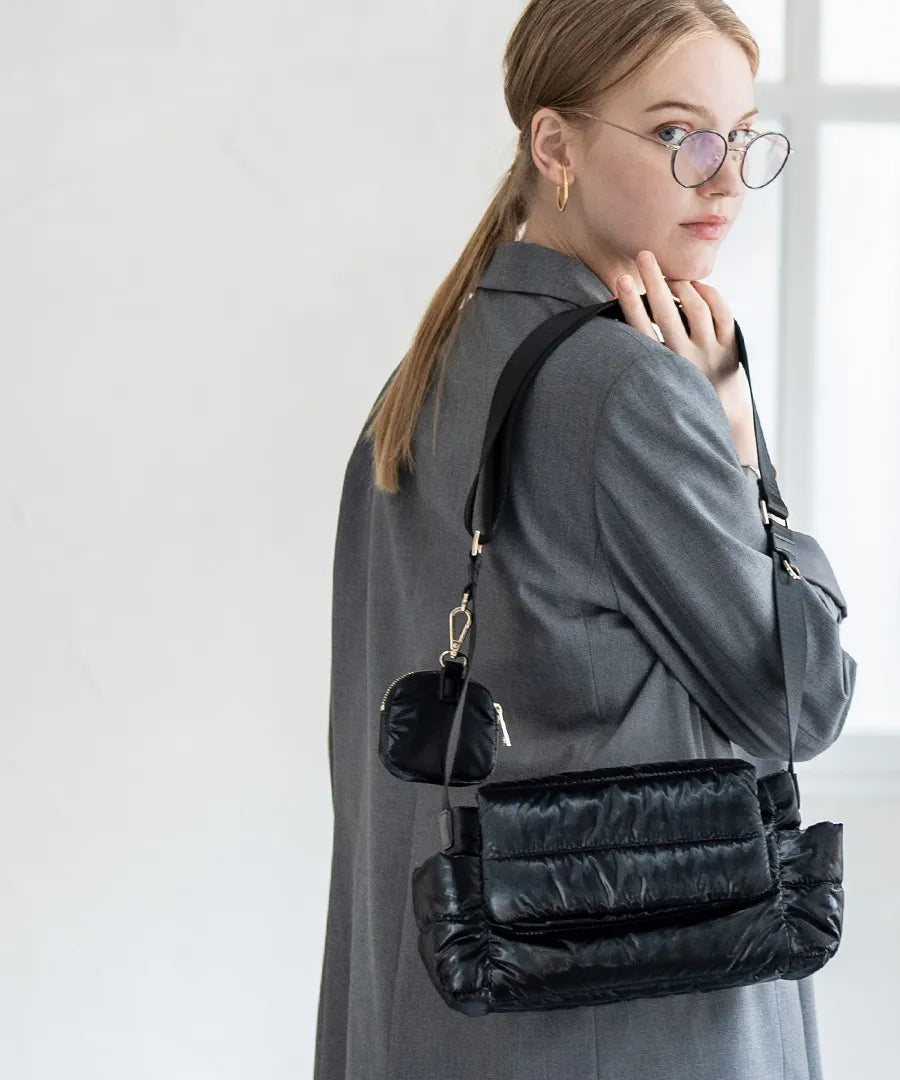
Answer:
(705, 232)
(712, 219)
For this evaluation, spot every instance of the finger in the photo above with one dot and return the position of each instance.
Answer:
(633, 307)
(723, 319)
(665, 314)
(697, 310)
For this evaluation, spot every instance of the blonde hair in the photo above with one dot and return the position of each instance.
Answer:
(565, 55)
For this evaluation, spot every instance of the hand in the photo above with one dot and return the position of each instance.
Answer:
(712, 344)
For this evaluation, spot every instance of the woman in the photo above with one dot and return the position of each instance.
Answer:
(626, 610)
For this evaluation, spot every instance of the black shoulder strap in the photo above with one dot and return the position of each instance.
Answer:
(493, 472)
(519, 373)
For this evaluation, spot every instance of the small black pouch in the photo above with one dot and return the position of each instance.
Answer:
(416, 715)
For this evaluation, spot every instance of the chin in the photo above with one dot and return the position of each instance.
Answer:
(681, 269)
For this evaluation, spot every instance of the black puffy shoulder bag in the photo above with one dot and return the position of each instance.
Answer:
(645, 880)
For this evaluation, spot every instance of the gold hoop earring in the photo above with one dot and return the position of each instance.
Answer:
(565, 189)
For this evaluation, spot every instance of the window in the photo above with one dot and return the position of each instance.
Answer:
(859, 42)
(814, 273)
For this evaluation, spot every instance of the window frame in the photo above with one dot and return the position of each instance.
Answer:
(806, 102)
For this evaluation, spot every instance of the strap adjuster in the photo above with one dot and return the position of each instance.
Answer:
(767, 517)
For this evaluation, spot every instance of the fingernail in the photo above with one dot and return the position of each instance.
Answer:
(625, 284)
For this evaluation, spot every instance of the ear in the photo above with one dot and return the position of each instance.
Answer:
(550, 140)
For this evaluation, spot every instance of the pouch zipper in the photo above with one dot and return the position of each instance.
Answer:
(391, 687)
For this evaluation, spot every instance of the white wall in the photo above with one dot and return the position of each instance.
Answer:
(220, 224)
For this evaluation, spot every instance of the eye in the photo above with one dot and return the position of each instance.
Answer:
(748, 132)
(671, 127)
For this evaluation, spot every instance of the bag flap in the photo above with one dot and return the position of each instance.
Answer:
(623, 844)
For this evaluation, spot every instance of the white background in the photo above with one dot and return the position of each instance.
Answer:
(220, 223)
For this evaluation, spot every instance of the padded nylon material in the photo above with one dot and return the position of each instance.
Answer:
(415, 725)
(479, 965)
(615, 885)
(778, 801)
(607, 843)
(611, 807)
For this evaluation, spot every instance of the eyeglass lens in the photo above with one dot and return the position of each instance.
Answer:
(701, 153)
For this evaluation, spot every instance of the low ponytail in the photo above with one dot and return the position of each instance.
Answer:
(396, 412)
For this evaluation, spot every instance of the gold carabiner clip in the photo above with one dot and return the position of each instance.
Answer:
(456, 642)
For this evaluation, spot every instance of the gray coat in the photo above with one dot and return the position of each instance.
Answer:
(626, 614)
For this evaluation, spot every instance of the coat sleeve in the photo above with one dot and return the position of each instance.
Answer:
(686, 549)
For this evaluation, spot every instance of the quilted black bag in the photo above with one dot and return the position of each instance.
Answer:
(584, 888)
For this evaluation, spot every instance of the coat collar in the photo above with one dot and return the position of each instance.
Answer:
(523, 267)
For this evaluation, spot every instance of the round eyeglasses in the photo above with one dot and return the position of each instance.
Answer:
(698, 155)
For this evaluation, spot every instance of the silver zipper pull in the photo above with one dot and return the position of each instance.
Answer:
(498, 709)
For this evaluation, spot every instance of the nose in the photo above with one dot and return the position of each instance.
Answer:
(728, 178)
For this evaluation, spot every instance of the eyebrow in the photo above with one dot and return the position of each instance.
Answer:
(699, 110)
